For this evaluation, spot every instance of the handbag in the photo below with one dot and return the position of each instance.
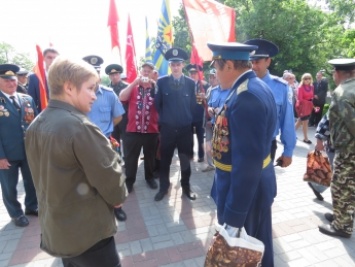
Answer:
(318, 169)
(240, 251)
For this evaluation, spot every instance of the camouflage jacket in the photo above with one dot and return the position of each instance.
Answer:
(342, 117)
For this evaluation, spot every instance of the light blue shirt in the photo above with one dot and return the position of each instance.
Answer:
(106, 107)
(217, 98)
(285, 120)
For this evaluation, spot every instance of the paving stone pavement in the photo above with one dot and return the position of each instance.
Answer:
(177, 232)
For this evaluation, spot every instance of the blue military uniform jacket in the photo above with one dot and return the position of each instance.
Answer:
(285, 116)
(241, 150)
(13, 125)
(175, 103)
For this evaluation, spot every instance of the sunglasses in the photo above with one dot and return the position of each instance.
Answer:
(307, 78)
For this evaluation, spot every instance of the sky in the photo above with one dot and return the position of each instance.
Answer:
(77, 28)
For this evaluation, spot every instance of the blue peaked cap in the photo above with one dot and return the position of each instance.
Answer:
(231, 50)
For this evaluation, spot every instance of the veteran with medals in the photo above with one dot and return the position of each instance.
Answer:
(244, 184)
(17, 111)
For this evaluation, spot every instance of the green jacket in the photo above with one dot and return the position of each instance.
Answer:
(77, 177)
(342, 117)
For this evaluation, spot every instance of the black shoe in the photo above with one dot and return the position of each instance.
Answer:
(317, 194)
(187, 192)
(31, 212)
(21, 221)
(329, 229)
(152, 183)
(129, 188)
(329, 216)
(120, 214)
(201, 160)
(307, 141)
(159, 196)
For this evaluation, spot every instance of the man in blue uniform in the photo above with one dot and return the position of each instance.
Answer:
(16, 112)
(106, 112)
(175, 101)
(283, 97)
(245, 184)
(198, 115)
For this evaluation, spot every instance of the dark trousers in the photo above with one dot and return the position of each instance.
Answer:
(171, 138)
(119, 133)
(102, 254)
(9, 180)
(316, 116)
(273, 150)
(134, 143)
(200, 130)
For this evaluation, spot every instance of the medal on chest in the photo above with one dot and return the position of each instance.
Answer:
(220, 139)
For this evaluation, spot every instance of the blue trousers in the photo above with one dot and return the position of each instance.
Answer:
(9, 180)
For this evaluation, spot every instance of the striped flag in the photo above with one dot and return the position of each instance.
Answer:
(41, 75)
(164, 39)
(148, 44)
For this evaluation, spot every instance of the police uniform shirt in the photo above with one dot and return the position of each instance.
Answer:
(285, 116)
(105, 108)
(175, 103)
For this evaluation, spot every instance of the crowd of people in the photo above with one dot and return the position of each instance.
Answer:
(79, 156)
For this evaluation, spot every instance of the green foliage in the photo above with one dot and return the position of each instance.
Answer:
(9, 55)
(345, 10)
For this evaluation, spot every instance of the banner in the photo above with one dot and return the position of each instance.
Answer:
(41, 75)
(209, 21)
(112, 23)
(164, 39)
(131, 66)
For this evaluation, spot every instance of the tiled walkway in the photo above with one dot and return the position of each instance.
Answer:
(177, 232)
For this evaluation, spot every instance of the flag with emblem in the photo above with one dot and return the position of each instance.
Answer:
(112, 23)
(148, 44)
(41, 75)
(131, 65)
(164, 40)
(209, 21)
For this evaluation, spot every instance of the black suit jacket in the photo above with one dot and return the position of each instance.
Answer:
(320, 90)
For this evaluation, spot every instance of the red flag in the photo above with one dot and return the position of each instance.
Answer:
(131, 66)
(41, 75)
(112, 23)
(195, 59)
(209, 21)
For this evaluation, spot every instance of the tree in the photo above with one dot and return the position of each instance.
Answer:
(9, 55)
(345, 10)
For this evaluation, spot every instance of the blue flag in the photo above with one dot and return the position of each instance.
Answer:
(164, 39)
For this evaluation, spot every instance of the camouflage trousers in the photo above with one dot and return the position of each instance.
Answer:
(343, 191)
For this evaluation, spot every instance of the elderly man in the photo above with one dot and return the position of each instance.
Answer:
(142, 128)
(342, 135)
(16, 113)
(244, 184)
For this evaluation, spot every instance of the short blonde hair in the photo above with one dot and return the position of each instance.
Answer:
(66, 70)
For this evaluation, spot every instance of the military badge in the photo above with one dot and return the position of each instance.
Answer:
(2, 107)
(2, 100)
